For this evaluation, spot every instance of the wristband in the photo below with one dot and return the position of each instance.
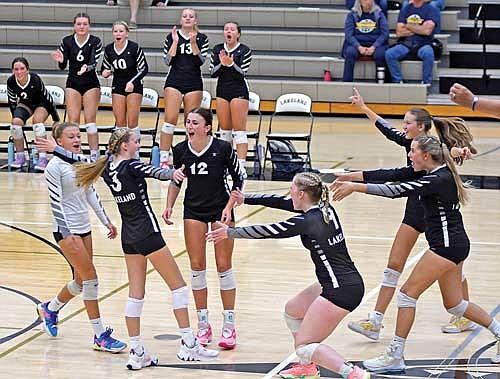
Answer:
(475, 99)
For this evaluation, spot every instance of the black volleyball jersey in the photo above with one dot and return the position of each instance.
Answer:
(126, 180)
(325, 241)
(438, 194)
(207, 189)
(32, 94)
(185, 66)
(128, 65)
(234, 75)
(77, 55)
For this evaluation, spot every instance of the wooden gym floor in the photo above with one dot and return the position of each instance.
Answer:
(268, 272)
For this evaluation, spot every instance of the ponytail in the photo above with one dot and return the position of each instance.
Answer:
(454, 132)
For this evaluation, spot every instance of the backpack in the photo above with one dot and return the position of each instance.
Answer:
(286, 161)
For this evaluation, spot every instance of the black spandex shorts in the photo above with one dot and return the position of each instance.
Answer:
(204, 217)
(82, 86)
(25, 111)
(414, 214)
(119, 89)
(146, 246)
(347, 296)
(230, 93)
(59, 237)
(184, 87)
(455, 254)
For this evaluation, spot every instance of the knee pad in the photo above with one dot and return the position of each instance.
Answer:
(305, 352)
(459, 309)
(390, 278)
(74, 288)
(198, 279)
(16, 131)
(39, 130)
(180, 298)
(133, 308)
(91, 128)
(227, 280)
(240, 137)
(226, 135)
(405, 301)
(168, 128)
(90, 289)
(292, 323)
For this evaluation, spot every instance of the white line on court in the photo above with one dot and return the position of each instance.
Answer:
(410, 263)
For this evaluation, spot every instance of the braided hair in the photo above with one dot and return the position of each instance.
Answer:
(88, 173)
(318, 192)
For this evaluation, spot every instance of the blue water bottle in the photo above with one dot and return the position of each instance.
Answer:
(155, 156)
(10, 152)
(35, 154)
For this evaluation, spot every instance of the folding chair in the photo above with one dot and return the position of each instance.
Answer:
(254, 154)
(206, 103)
(296, 104)
(150, 100)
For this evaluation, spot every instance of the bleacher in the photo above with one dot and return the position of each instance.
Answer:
(293, 43)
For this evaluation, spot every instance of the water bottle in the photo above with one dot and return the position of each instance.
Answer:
(380, 75)
(155, 156)
(327, 76)
(35, 154)
(10, 151)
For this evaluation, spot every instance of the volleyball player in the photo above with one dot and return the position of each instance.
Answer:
(82, 50)
(142, 241)
(417, 121)
(184, 51)
(207, 161)
(442, 193)
(28, 97)
(313, 314)
(72, 232)
(125, 60)
(229, 63)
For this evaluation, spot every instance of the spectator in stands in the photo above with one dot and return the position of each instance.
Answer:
(381, 3)
(134, 8)
(464, 97)
(438, 4)
(366, 35)
(415, 32)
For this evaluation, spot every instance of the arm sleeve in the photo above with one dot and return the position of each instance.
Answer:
(215, 65)
(64, 50)
(244, 65)
(166, 47)
(53, 178)
(94, 56)
(143, 170)
(270, 201)
(425, 185)
(399, 174)
(390, 132)
(349, 31)
(95, 203)
(142, 67)
(106, 64)
(294, 226)
(384, 31)
(203, 50)
(234, 168)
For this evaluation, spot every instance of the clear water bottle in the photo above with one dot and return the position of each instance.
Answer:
(155, 156)
(35, 154)
(10, 151)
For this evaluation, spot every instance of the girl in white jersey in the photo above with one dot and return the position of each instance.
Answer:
(72, 231)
